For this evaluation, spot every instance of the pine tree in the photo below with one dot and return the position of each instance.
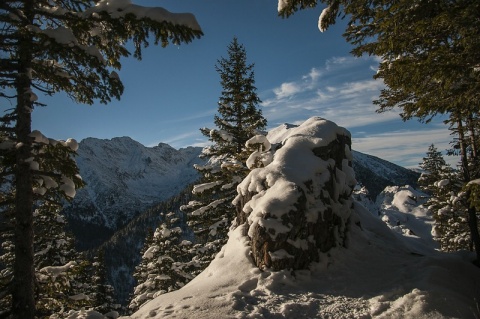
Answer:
(7, 256)
(449, 211)
(102, 291)
(465, 145)
(450, 214)
(141, 273)
(166, 263)
(433, 167)
(53, 249)
(72, 46)
(63, 274)
(238, 120)
(429, 63)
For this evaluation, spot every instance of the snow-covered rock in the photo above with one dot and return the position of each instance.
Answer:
(299, 204)
(400, 207)
(372, 172)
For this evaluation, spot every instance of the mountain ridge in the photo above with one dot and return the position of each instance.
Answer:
(129, 185)
(124, 178)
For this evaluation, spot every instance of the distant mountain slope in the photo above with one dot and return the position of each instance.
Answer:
(376, 174)
(122, 250)
(124, 178)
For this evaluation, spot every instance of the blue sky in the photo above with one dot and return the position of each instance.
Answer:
(299, 72)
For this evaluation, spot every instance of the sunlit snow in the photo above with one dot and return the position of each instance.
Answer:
(389, 269)
(382, 273)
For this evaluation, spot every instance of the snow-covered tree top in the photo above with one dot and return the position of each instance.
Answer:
(119, 8)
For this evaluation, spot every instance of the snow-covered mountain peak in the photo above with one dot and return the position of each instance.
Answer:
(124, 178)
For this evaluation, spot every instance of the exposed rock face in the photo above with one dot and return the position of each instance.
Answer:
(300, 204)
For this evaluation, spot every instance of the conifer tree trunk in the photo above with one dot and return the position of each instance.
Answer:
(472, 212)
(23, 299)
(473, 137)
(24, 48)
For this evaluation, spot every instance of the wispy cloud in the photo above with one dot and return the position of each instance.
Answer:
(405, 147)
(194, 117)
(313, 76)
(343, 90)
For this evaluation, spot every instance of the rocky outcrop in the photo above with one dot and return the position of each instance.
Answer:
(299, 205)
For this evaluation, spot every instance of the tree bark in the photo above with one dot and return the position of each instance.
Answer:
(23, 298)
(472, 212)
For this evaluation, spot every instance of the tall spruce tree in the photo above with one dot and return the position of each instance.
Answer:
(238, 120)
(72, 46)
(430, 59)
(53, 249)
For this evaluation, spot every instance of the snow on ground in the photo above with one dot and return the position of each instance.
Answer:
(401, 209)
(389, 269)
(377, 276)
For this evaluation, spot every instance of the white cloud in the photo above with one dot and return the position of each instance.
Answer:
(360, 88)
(313, 75)
(287, 90)
(334, 62)
(346, 103)
(339, 79)
(331, 89)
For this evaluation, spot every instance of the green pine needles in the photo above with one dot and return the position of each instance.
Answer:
(238, 119)
(429, 61)
(51, 46)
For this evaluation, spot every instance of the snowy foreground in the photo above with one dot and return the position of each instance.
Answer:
(389, 269)
(382, 274)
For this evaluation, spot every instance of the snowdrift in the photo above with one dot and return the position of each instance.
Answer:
(377, 276)
(389, 268)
